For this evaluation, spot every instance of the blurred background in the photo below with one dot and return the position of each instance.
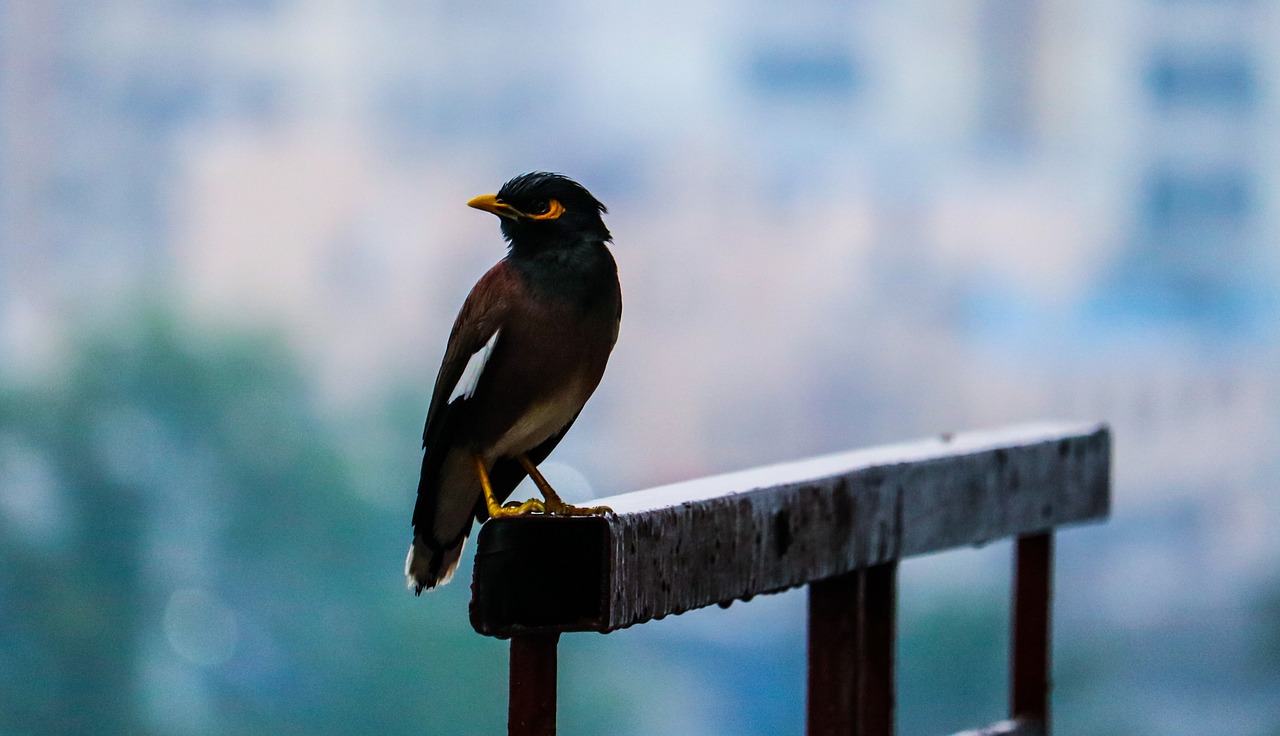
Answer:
(233, 239)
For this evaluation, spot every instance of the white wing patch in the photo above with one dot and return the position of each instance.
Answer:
(470, 378)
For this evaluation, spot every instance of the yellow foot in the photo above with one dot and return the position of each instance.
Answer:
(516, 508)
(554, 507)
(557, 507)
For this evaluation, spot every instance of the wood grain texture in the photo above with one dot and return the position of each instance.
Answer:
(730, 537)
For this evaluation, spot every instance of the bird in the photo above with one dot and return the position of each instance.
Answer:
(528, 348)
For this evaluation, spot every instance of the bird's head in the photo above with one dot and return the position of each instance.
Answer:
(541, 210)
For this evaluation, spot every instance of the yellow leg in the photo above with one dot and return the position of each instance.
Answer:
(556, 505)
(533, 505)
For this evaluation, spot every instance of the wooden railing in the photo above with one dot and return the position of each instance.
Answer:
(838, 524)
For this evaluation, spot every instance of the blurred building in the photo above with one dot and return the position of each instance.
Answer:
(934, 178)
(1200, 245)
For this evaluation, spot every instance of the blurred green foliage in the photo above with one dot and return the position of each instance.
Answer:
(163, 461)
(952, 661)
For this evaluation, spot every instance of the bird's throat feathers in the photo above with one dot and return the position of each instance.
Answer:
(530, 239)
(586, 274)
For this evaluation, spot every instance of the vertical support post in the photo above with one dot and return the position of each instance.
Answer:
(1031, 636)
(878, 609)
(532, 708)
(833, 649)
(852, 639)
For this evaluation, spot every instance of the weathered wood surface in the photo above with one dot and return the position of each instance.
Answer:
(719, 539)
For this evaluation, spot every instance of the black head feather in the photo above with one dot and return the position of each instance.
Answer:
(533, 193)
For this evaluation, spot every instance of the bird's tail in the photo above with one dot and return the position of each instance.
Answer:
(429, 565)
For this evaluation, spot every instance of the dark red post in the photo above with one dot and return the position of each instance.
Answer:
(833, 649)
(878, 610)
(532, 709)
(852, 629)
(1030, 638)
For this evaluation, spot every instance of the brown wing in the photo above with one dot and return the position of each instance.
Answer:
(481, 316)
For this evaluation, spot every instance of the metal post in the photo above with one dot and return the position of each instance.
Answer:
(833, 648)
(878, 611)
(532, 709)
(852, 629)
(1030, 639)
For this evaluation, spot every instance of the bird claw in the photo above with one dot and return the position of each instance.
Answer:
(518, 508)
(565, 509)
(548, 508)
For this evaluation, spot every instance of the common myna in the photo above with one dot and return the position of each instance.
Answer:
(526, 351)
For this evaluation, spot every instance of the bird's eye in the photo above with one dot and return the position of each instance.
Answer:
(548, 209)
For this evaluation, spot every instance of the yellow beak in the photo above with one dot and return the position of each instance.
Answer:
(490, 203)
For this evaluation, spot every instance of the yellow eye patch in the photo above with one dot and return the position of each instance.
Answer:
(554, 210)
